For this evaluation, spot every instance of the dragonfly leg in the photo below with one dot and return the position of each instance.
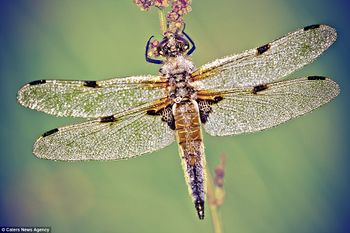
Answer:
(191, 41)
(148, 59)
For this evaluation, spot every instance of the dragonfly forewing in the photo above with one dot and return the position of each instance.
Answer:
(267, 63)
(91, 99)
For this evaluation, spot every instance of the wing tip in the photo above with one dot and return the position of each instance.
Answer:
(39, 148)
(20, 97)
(330, 32)
(23, 89)
(36, 151)
(336, 88)
(333, 85)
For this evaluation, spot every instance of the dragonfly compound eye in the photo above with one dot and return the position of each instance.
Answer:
(173, 46)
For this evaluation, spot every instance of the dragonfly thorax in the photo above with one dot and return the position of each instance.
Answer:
(177, 71)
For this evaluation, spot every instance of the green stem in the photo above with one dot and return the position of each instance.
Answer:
(215, 217)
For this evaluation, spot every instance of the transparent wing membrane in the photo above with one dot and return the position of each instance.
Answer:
(267, 63)
(236, 94)
(105, 139)
(251, 109)
(90, 99)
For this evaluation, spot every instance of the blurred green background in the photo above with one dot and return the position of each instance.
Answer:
(292, 178)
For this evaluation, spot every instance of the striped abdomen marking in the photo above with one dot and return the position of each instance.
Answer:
(189, 137)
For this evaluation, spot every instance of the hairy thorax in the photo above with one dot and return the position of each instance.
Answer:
(178, 71)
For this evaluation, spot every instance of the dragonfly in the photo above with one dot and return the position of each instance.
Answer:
(136, 115)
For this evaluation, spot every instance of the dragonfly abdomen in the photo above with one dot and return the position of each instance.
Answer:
(189, 137)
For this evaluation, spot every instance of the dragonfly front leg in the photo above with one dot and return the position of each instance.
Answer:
(191, 41)
(148, 59)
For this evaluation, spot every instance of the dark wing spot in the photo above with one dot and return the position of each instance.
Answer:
(263, 49)
(205, 108)
(217, 99)
(167, 115)
(153, 112)
(37, 82)
(204, 116)
(316, 78)
(107, 119)
(171, 123)
(259, 88)
(311, 27)
(92, 84)
(50, 132)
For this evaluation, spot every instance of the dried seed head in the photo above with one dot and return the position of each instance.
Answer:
(161, 3)
(144, 5)
(220, 173)
(174, 18)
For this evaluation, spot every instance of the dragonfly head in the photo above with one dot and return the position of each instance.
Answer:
(173, 46)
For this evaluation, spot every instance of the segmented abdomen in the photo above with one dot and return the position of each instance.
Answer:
(189, 137)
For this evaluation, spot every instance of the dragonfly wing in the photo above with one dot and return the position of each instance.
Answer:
(251, 109)
(268, 62)
(91, 99)
(106, 138)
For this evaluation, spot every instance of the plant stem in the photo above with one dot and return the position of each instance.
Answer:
(162, 20)
(215, 217)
